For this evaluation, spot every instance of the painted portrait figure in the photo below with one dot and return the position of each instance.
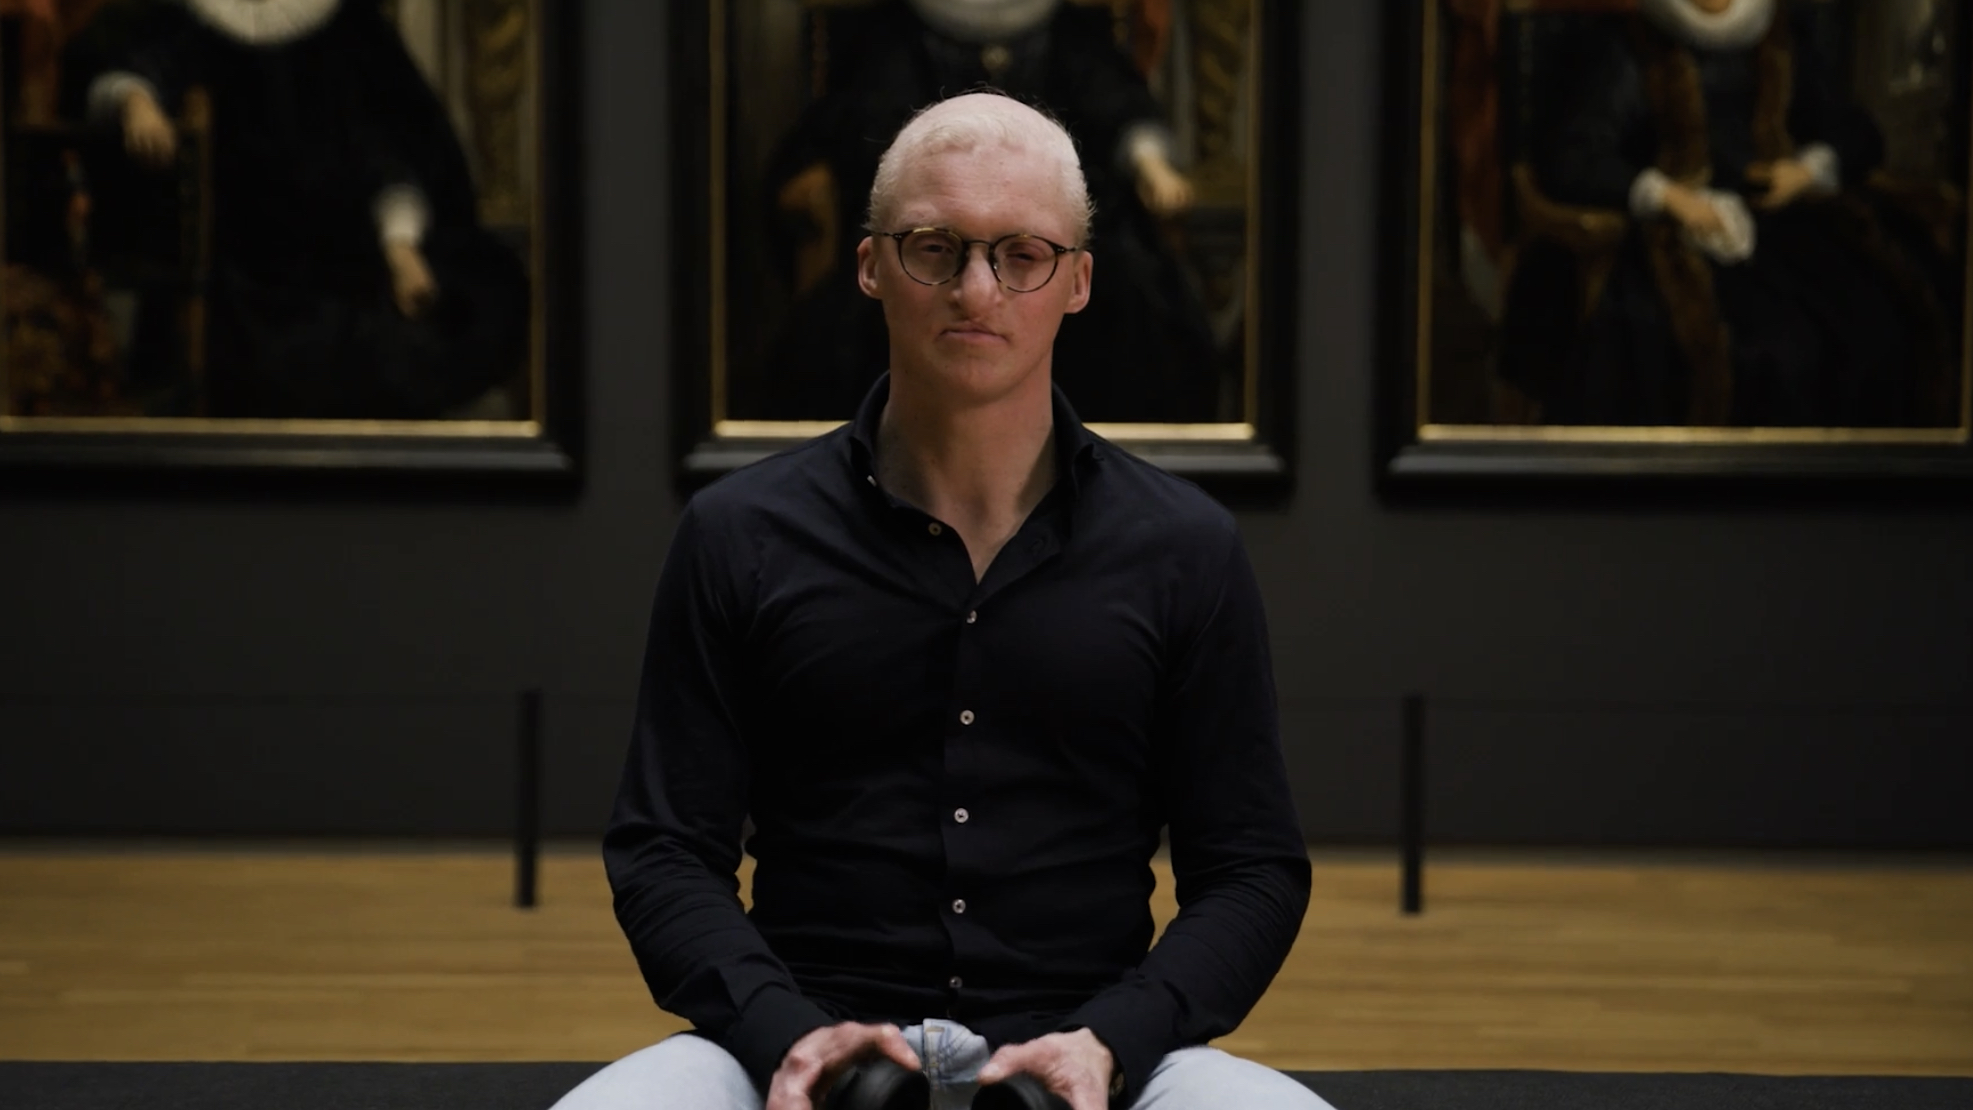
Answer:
(1755, 278)
(351, 277)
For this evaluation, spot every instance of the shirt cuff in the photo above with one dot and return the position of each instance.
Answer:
(108, 92)
(1647, 194)
(768, 1027)
(1141, 141)
(1821, 160)
(402, 215)
(1136, 1025)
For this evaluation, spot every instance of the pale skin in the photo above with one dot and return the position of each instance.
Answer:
(1786, 179)
(150, 138)
(968, 431)
(967, 436)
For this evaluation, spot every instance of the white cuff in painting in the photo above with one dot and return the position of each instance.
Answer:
(108, 92)
(1734, 242)
(1142, 141)
(1647, 194)
(402, 215)
(1822, 160)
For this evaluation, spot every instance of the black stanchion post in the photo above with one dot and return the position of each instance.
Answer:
(527, 800)
(1412, 771)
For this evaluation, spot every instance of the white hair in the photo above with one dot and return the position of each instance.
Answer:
(970, 122)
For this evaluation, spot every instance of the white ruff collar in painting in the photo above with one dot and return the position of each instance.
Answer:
(264, 22)
(983, 20)
(1738, 26)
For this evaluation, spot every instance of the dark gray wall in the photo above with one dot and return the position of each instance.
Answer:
(1792, 676)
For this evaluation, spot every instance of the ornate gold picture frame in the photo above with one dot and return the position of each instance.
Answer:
(288, 236)
(781, 108)
(1621, 248)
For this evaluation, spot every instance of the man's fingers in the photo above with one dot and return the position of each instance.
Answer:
(818, 1059)
(789, 1092)
(802, 1065)
(1009, 1060)
(891, 1042)
(1760, 172)
(797, 1080)
(997, 1068)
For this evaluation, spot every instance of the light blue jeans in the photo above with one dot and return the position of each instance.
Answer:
(691, 1073)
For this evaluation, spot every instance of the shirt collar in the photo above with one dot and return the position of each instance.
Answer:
(1075, 444)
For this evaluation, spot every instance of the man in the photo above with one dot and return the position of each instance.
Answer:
(960, 662)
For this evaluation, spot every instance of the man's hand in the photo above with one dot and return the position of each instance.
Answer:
(1786, 180)
(1075, 1065)
(816, 1060)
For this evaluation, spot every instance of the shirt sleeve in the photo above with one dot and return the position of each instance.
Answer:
(1237, 851)
(673, 846)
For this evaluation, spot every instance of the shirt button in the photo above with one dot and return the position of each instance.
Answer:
(961, 816)
(935, 528)
(955, 982)
(972, 616)
(872, 478)
(958, 905)
(965, 716)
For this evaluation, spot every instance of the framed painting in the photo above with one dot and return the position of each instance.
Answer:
(288, 236)
(1677, 239)
(1181, 110)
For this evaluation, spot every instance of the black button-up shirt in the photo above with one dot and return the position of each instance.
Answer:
(956, 786)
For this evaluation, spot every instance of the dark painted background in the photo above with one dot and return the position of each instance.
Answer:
(1717, 676)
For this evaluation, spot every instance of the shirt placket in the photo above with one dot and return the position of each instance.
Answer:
(969, 736)
(965, 728)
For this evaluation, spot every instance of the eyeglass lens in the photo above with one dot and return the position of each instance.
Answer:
(1023, 263)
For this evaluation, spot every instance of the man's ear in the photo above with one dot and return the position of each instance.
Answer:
(1081, 270)
(866, 268)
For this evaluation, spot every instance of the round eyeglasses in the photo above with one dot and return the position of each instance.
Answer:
(934, 256)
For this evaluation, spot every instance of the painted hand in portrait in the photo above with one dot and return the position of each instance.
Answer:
(258, 209)
(1146, 349)
(1699, 214)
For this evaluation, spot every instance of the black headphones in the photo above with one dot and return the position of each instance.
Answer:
(883, 1084)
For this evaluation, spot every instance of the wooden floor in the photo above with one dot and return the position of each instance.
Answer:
(1590, 963)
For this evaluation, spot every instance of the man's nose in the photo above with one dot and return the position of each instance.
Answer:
(974, 280)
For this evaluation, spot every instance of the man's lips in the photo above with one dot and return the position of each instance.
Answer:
(971, 332)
